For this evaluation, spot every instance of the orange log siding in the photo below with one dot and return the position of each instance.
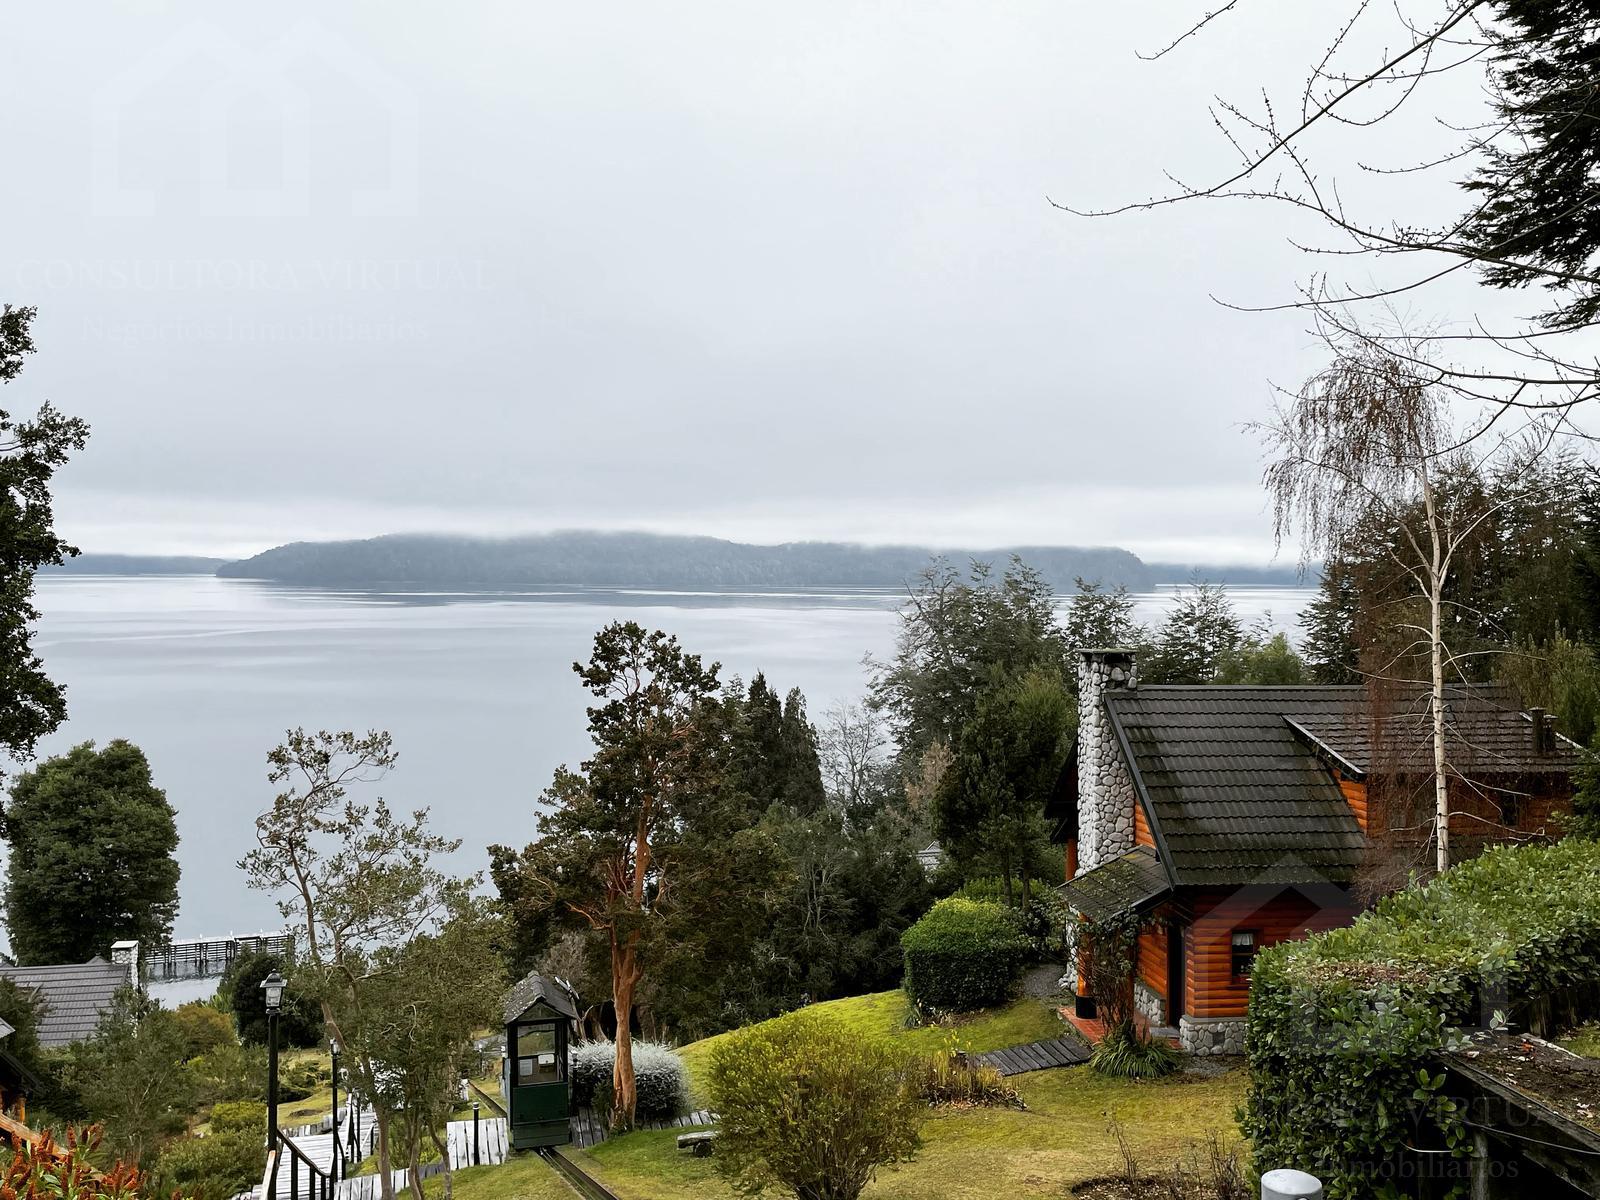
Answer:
(1141, 827)
(1355, 795)
(1276, 914)
(1152, 958)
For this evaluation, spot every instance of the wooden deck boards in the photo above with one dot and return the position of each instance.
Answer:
(1036, 1056)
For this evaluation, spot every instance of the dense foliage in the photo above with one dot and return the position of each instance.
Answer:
(131, 1080)
(1522, 600)
(1008, 753)
(662, 1079)
(48, 1170)
(31, 704)
(67, 898)
(809, 1105)
(1535, 218)
(224, 1163)
(963, 955)
(641, 560)
(1344, 1026)
(785, 889)
(299, 1023)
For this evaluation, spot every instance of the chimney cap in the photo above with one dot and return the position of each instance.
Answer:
(1107, 651)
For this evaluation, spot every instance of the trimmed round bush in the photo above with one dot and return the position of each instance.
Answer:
(963, 955)
(658, 1073)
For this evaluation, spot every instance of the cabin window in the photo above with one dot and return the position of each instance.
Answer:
(1244, 952)
(536, 1058)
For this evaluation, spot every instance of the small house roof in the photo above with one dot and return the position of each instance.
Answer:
(533, 989)
(1133, 880)
(75, 995)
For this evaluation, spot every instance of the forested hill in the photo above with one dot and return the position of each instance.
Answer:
(649, 560)
(136, 564)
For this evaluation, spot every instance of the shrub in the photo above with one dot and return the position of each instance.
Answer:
(1345, 1026)
(963, 955)
(214, 1167)
(659, 1077)
(230, 1072)
(238, 1115)
(810, 1105)
(950, 1077)
(1125, 1052)
(204, 1028)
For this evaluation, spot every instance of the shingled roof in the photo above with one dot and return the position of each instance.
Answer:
(1486, 731)
(533, 989)
(1237, 780)
(75, 996)
(1134, 880)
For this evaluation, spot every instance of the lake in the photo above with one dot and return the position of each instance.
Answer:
(205, 675)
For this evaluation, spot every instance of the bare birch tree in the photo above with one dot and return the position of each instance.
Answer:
(1365, 443)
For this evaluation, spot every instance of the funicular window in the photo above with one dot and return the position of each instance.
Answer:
(537, 1057)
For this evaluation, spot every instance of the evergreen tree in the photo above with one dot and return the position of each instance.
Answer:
(31, 704)
(93, 844)
(1100, 618)
(955, 634)
(1201, 631)
(990, 803)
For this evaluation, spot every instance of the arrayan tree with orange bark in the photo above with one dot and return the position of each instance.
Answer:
(610, 850)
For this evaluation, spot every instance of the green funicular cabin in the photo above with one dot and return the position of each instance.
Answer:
(540, 1018)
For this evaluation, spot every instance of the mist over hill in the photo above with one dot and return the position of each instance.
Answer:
(594, 559)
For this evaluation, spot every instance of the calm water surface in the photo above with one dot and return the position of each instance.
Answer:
(205, 674)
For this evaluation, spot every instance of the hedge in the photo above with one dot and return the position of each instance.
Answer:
(1345, 1027)
(659, 1077)
(963, 955)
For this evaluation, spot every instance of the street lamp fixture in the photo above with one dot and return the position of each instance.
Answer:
(273, 986)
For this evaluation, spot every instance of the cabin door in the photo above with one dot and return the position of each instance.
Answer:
(1175, 998)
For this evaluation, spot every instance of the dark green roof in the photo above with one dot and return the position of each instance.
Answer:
(1133, 880)
(534, 989)
(1234, 794)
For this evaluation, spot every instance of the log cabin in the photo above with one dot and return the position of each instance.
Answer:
(1233, 817)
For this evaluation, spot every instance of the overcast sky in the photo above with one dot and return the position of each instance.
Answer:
(765, 271)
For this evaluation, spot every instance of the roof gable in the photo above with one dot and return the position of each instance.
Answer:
(534, 990)
(75, 995)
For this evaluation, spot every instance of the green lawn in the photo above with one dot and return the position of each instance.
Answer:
(1584, 1041)
(1062, 1140)
(525, 1177)
(882, 1014)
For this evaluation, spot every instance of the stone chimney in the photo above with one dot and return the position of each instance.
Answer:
(1105, 790)
(126, 954)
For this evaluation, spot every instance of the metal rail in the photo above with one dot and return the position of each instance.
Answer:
(583, 1184)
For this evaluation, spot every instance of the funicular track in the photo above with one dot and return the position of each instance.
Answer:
(582, 1183)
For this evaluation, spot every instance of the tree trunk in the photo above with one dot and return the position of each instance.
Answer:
(385, 1176)
(414, 1155)
(444, 1154)
(1005, 871)
(624, 977)
(1436, 653)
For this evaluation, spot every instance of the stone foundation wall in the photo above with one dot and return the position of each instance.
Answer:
(1211, 1035)
(1105, 789)
(1149, 1005)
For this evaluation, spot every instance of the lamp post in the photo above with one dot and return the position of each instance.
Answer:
(333, 1049)
(272, 986)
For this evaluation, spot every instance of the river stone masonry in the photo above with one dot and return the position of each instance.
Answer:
(1208, 1036)
(1105, 790)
